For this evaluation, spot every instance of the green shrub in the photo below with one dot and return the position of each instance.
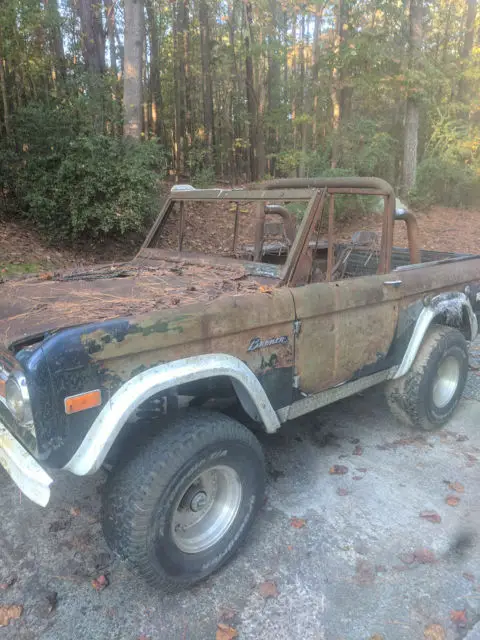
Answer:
(445, 181)
(202, 174)
(70, 182)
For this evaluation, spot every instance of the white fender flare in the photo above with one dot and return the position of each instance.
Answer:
(102, 434)
(452, 305)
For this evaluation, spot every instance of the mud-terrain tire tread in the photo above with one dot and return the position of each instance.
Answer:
(407, 396)
(128, 500)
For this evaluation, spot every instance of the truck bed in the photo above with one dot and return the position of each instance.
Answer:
(34, 305)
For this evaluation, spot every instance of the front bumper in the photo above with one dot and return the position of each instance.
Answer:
(24, 470)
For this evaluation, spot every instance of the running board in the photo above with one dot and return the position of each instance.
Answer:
(322, 399)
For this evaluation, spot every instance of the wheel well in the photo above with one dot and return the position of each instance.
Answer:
(219, 393)
(455, 317)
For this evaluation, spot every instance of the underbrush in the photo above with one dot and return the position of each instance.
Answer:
(74, 183)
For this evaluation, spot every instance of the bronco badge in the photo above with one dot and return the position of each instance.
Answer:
(258, 343)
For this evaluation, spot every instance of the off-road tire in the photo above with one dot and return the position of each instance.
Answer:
(411, 398)
(141, 495)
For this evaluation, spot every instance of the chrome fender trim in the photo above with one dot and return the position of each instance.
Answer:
(108, 424)
(451, 304)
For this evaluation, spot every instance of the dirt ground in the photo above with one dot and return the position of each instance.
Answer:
(441, 229)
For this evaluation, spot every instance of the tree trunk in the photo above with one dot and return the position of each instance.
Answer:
(3, 87)
(110, 22)
(285, 57)
(335, 88)
(315, 70)
(294, 77)
(186, 57)
(250, 90)
(55, 37)
(302, 105)
(232, 124)
(132, 84)
(155, 84)
(207, 86)
(260, 96)
(180, 91)
(274, 84)
(92, 35)
(467, 47)
(412, 117)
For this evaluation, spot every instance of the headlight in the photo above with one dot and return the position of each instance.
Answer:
(17, 399)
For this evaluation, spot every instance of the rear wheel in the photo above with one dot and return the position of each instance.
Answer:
(429, 393)
(181, 506)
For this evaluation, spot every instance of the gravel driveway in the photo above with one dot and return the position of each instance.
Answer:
(362, 563)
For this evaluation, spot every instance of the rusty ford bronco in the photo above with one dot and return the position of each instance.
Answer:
(241, 311)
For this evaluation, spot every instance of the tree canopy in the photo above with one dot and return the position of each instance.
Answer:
(234, 91)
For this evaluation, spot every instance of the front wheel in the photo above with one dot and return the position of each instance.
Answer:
(429, 393)
(181, 507)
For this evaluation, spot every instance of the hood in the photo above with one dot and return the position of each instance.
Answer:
(34, 306)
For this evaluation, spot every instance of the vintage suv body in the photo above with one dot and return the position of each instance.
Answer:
(159, 368)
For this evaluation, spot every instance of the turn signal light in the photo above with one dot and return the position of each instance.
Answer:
(3, 391)
(82, 401)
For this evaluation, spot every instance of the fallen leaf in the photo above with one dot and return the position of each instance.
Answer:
(358, 451)
(452, 501)
(298, 523)
(100, 583)
(431, 516)
(365, 572)
(434, 632)
(59, 525)
(377, 636)
(417, 440)
(264, 289)
(342, 491)
(456, 486)
(407, 558)
(75, 511)
(358, 477)
(338, 470)
(290, 547)
(362, 469)
(227, 614)
(424, 556)
(9, 582)
(9, 612)
(459, 618)
(268, 589)
(468, 576)
(224, 632)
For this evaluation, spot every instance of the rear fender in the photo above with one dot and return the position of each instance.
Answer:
(451, 309)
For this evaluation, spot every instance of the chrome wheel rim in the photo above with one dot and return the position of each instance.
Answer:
(446, 381)
(206, 510)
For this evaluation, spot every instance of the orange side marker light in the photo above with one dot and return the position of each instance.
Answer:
(82, 401)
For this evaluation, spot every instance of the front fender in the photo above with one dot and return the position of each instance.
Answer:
(453, 308)
(102, 434)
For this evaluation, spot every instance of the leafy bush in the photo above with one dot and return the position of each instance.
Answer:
(70, 182)
(202, 174)
(445, 181)
(346, 206)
